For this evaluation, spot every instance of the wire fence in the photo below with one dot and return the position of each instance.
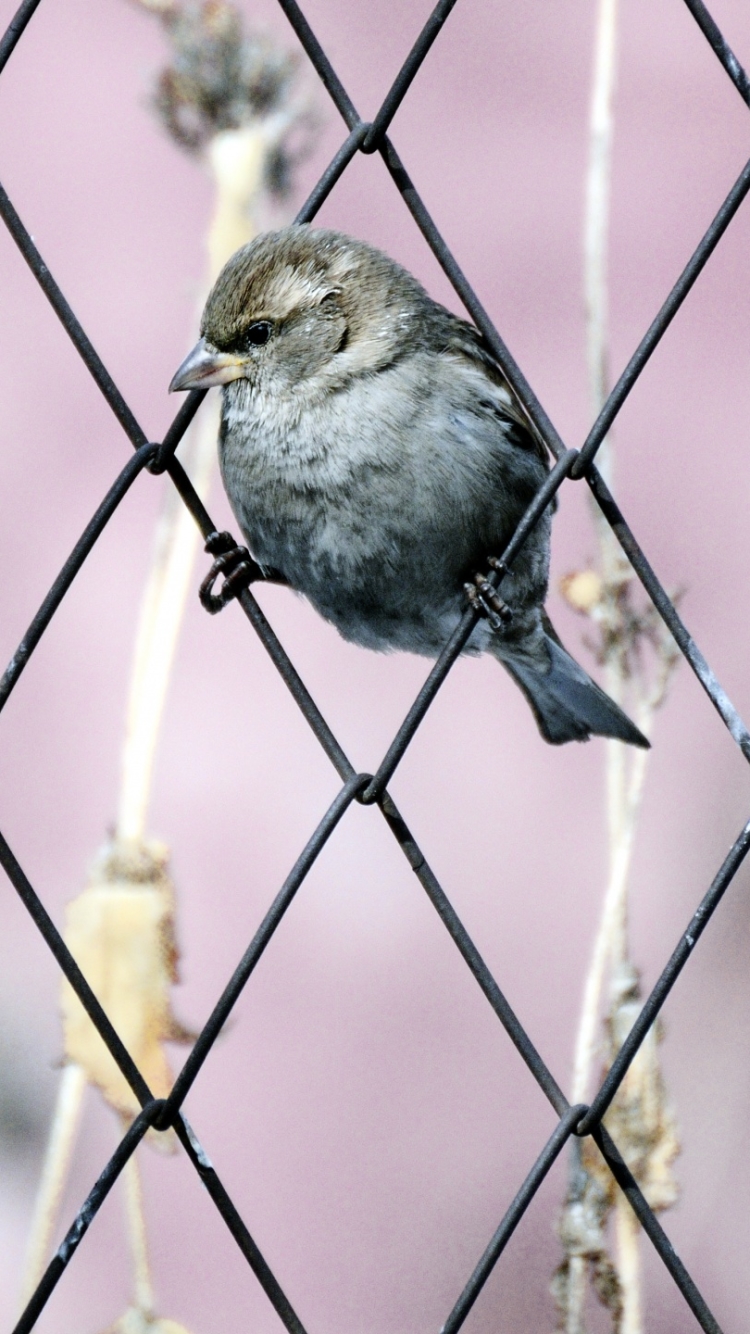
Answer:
(371, 789)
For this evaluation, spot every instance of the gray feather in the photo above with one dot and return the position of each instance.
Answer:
(566, 703)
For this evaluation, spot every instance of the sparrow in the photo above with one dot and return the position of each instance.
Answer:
(375, 456)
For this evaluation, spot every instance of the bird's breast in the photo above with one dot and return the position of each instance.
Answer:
(375, 502)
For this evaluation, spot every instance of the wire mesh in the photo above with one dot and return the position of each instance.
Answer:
(370, 137)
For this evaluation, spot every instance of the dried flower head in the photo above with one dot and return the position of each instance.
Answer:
(120, 931)
(643, 1125)
(625, 627)
(582, 590)
(221, 76)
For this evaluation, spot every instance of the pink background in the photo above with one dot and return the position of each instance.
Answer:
(366, 1110)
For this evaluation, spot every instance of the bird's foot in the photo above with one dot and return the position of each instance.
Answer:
(484, 597)
(233, 562)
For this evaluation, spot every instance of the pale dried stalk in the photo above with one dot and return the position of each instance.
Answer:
(624, 778)
(237, 158)
(610, 945)
(627, 1232)
(577, 1283)
(611, 930)
(62, 1137)
(143, 1291)
(622, 631)
(621, 813)
(596, 224)
(623, 789)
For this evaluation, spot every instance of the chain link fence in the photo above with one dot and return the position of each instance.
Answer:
(371, 789)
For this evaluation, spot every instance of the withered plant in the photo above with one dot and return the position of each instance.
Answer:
(231, 98)
(597, 1227)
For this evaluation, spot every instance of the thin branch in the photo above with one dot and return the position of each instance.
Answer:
(598, 189)
(628, 1231)
(609, 937)
(143, 1292)
(623, 631)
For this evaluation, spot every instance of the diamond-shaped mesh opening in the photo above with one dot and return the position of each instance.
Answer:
(371, 790)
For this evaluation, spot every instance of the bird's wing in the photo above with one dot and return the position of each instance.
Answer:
(460, 337)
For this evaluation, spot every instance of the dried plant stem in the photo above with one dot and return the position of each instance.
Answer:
(237, 158)
(143, 1292)
(622, 630)
(598, 186)
(609, 945)
(576, 1294)
(162, 612)
(596, 232)
(60, 1144)
(627, 1231)
(625, 774)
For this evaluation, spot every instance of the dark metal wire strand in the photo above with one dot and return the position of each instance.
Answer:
(668, 612)
(177, 430)
(407, 74)
(471, 956)
(237, 1228)
(100, 374)
(50, 934)
(15, 30)
(653, 337)
(721, 48)
(81, 550)
(515, 1212)
(72, 326)
(296, 687)
(234, 987)
(155, 1113)
(321, 64)
(653, 1005)
(655, 1232)
(333, 171)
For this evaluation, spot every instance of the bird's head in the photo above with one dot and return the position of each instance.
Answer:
(303, 307)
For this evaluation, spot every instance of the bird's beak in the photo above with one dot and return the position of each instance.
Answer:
(204, 367)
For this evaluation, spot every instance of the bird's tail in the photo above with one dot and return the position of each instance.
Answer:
(567, 704)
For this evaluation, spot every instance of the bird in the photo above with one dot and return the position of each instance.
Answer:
(375, 457)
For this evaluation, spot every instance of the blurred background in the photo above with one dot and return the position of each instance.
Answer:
(365, 1109)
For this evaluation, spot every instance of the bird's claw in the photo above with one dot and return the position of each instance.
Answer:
(233, 562)
(485, 599)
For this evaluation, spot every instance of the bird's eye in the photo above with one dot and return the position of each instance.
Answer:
(259, 333)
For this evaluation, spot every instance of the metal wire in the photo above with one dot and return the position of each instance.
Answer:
(370, 137)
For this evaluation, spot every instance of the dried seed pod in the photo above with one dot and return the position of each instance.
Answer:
(120, 931)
